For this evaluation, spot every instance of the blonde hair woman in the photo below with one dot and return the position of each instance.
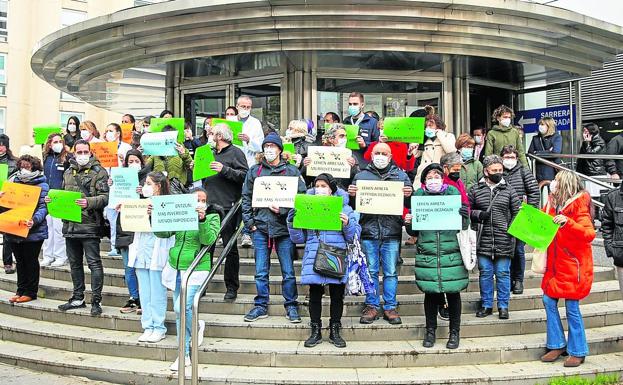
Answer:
(548, 141)
(88, 132)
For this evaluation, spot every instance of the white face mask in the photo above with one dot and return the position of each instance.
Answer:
(288, 133)
(505, 122)
(231, 118)
(111, 136)
(434, 185)
(322, 191)
(552, 186)
(211, 141)
(244, 113)
(380, 161)
(145, 128)
(82, 159)
(270, 154)
(478, 139)
(148, 191)
(342, 142)
(202, 206)
(85, 134)
(509, 163)
(57, 147)
(135, 166)
(542, 129)
(71, 127)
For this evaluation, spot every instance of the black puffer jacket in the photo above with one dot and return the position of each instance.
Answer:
(612, 226)
(592, 167)
(376, 226)
(522, 180)
(503, 203)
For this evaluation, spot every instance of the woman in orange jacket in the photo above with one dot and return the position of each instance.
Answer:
(569, 272)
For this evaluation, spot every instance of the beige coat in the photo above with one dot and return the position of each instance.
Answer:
(434, 150)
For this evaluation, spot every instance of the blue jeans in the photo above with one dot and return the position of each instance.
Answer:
(130, 274)
(190, 296)
(501, 268)
(153, 299)
(285, 249)
(577, 346)
(518, 263)
(386, 253)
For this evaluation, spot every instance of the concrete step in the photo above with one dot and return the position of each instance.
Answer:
(284, 353)
(278, 328)
(409, 304)
(141, 371)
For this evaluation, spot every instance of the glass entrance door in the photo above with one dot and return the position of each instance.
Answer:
(204, 105)
(266, 103)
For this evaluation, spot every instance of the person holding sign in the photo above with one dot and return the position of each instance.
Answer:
(225, 189)
(325, 185)
(7, 158)
(437, 142)
(252, 134)
(494, 204)
(26, 250)
(569, 272)
(381, 235)
(55, 162)
(269, 230)
(176, 166)
(368, 129)
(296, 134)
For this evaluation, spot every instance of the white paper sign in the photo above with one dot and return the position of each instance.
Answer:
(380, 197)
(133, 215)
(331, 160)
(277, 190)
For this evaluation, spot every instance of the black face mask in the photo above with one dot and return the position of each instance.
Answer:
(454, 176)
(495, 178)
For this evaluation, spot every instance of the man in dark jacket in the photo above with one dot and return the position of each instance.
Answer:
(381, 236)
(527, 189)
(612, 230)
(615, 147)
(494, 204)
(269, 229)
(225, 189)
(85, 175)
(368, 126)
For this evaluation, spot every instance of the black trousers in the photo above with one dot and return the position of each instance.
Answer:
(431, 307)
(27, 258)
(337, 302)
(7, 253)
(89, 248)
(232, 263)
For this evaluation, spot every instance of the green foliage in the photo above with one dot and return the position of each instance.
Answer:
(600, 379)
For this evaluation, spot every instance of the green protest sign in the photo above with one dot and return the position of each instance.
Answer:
(352, 132)
(203, 157)
(63, 205)
(234, 126)
(4, 173)
(42, 132)
(317, 212)
(406, 130)
(289, 147)
(533, 227)
(158, 124)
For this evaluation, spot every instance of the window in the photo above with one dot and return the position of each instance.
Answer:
(65, 115)
(2, 120)
(69, 17)
(4, 6)
(2, 74)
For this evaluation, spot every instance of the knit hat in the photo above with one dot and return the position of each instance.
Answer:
(4, 140)
(427, 169)
(328, 179)
(274, 139)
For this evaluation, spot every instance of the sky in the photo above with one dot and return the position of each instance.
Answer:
(607, 10)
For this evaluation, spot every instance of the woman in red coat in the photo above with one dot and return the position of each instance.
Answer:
(569, 272)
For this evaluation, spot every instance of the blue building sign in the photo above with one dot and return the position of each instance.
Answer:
(529, 119)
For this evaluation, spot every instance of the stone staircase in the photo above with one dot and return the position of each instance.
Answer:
(270, 351)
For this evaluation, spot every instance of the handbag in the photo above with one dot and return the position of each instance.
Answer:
(467, 244)
(539, 261)
(330, 260)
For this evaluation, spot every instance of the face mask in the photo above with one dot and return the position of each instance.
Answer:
(231, 118)
(211, 141)
(380, 161)
(509, 163)
(244, 113)
(542, 129)
(430, 132)
(454, 176)
(552, 186)
(85, 134)
(505, 122)
(467, 153)
(135, 166)
(322, 191)
(434, 185)
(342, 142)
(495, 178)
(111, 136)
(202, 206)
(82, 159)
(270, 154)
(288, 133)
(26, 173)
(71, 128)
(353, 110)
(145, 128)
(57, 147)
(148, 191)
(478, 139)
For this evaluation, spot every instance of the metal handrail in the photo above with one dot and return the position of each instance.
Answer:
(181, 368)
(578, 156)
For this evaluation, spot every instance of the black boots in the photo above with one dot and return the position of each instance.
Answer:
(453, 340)
(334, 335)
(429, 338)
(316, 335)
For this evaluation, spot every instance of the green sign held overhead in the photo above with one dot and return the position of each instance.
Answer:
(352, 132)
(234, 126)
(317, 212)
(158, 124)
(63, 205)
(406, 130)
(534, 227)
(42, 132)
(203, 157)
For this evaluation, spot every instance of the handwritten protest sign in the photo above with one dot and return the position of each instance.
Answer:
(318, 212)
(352, 132)
(203, 157)
(174, 213)
(406, 130)
(158, 124)
(32, 151)
(289, 148)
(332, 160)
(126, 132)
(124, 184)
(533, 227)
(14, 222)
(380, 197)
(20, 195)
(234, 126)
(133, 215)
(63, 205)
(160, 143)
(106, 153)
(4, 173)
(436, 212)
(41, 133)
(277, 190)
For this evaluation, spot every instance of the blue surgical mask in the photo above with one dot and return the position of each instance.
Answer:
(467, 153)
(353, 110)
(430, 132)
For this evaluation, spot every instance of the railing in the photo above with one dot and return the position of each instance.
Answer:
(181, 369)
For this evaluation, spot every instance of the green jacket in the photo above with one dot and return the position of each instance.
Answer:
(438, 262)
(175, 166)
(188, 244)
(471, 173)
(499, 137)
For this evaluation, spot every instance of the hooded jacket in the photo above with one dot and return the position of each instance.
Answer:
(500, 136)
(54, 169)
(522, 180)
(471, 173)
(612, 226)
(39, 229)
(175, 166)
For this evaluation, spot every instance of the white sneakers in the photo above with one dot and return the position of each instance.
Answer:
(145, 336)
(246, 241)
(58, 263)
(174, 365)
(156, 336)
(46, 261)
(202, 327)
